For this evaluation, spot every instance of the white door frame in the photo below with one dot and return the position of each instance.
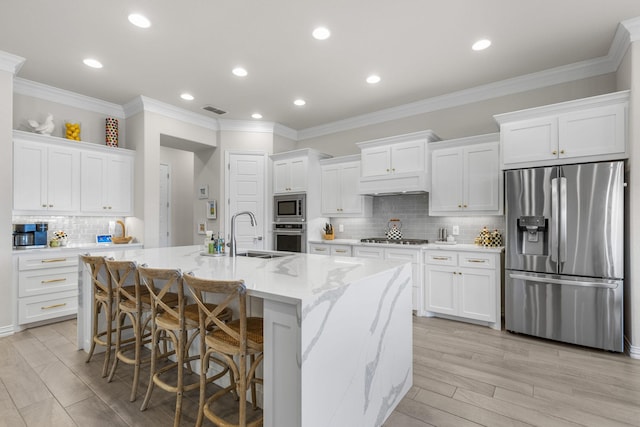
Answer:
(267, 194)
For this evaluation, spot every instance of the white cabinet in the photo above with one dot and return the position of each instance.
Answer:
(330, 249)
(47, 286)
(46, 177)
(395, 164)
(464, 285)
(63, 177)
(404, 254)
(465, 177)
(340, 198)
(590, 129)
(290, 175)
(107, 183)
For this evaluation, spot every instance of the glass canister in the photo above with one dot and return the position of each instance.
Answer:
(72, 131)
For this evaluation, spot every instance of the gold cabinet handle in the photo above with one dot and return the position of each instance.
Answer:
(561, 151)
(48, 307)
(459, 206)
(464, 206)
(44, 206)
(320, 249)
(388, 170)
(54, 260)
(441, 258)
(53, 280)
(478, 260)
(341, 251)
(554, 152)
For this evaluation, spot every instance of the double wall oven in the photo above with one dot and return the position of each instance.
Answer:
(289, 226)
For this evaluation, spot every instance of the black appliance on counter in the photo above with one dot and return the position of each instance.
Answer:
(30, 236)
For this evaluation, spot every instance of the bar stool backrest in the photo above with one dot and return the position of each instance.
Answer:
(123, 272)
(159, 281)
(97, 265)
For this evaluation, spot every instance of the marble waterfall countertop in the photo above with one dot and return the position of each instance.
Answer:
(337, 331)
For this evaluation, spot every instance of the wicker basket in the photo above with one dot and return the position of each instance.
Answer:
(329, 236)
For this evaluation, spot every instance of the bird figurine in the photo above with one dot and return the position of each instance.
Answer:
(45, 128)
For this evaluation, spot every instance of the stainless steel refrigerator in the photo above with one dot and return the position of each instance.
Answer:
(565, 253)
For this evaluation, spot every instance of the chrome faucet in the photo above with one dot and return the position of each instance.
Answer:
(232, 243)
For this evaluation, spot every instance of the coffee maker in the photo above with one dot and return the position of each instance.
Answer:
(30, 236)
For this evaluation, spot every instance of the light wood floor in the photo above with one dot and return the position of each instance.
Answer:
(464, 375)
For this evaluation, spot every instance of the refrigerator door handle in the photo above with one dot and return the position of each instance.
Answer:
(554, 220)
(562, 250)
(563, 282)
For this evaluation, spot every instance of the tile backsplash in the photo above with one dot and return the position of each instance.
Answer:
(413, 211)
(80, 229)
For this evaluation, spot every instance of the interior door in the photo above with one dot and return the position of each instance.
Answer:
(246, 190)
(164, 208)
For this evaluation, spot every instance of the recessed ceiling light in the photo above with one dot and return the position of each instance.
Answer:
(256, 115)
(299, 102)
(239, 71)
(321, 33)
(187, 96)
(481, 44)
(373, 79)
(139, 20)
(93, 63)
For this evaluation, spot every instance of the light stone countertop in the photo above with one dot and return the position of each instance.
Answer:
(77, 247)
(429, 246)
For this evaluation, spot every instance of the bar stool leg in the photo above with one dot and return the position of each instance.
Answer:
(96, 312)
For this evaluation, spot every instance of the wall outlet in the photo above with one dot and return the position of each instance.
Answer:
(455, 230)
(341, 228)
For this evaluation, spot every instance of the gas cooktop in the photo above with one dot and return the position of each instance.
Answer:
(395, 241)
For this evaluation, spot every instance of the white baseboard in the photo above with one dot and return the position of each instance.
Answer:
(7, 330)
(632, 350)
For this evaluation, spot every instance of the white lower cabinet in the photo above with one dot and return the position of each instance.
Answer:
(465, 285)
(47, 286)
(405, 254)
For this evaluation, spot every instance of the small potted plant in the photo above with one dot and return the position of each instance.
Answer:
(59, 238)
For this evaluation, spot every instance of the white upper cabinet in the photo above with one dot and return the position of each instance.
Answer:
(339, 179)
(293, 171)
(290, 175)
(466, 177)
(396, 164)
(107, 183)
(585, 130)
(46, 177)
(58, 176)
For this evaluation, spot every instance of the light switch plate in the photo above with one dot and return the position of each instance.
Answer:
(455, 230)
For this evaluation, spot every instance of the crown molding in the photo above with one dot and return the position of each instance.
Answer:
(143, 103)
(65, 97)
(285, 132)
(10, 63)
(633, 28)
(626, 32)
(246, 126)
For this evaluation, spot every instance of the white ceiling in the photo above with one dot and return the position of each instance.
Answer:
(420, 48)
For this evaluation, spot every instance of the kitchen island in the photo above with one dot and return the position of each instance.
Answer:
(338, 331)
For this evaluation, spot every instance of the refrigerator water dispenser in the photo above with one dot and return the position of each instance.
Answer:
(533, 235)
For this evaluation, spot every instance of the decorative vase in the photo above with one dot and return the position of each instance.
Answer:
(111, 131)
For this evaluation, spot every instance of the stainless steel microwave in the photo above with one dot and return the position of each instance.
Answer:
(290, 208)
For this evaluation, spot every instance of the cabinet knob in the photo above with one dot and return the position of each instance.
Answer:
(561, 151)
(50, 206)
(109, 207)
(459, 206)
(44, 206)
(554, 152)
(387, 170)
(394, 169)
(464, 206)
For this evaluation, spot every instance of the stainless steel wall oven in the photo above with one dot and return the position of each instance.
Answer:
(290, 237)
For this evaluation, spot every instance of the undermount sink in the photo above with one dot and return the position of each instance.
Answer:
(263, 254)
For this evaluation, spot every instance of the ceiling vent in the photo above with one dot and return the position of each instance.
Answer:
(213, 109)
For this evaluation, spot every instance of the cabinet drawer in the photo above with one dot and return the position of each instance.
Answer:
(44, 307)
(476, 260)
(409, 255)
(34, 262)
(368, 252)
(441, 258)
(37, 282)
(341, 250)
(319, 249)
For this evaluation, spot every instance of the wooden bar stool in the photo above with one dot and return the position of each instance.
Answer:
(132, 302)
(102, 302)
(239, 338)
(176, 322)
